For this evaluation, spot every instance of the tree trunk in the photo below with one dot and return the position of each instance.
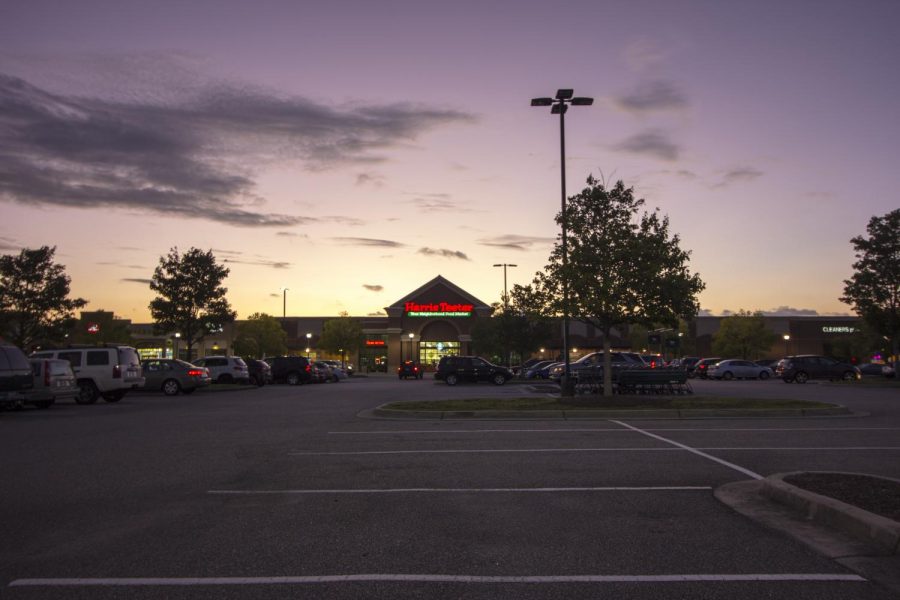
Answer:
(607, 366)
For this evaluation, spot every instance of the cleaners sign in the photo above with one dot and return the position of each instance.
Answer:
(439, 309)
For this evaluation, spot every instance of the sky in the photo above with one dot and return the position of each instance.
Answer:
(350, 151)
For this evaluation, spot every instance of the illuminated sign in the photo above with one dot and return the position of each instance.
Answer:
(375, 343)
(439, 309)
(842, 329)
(93, 328)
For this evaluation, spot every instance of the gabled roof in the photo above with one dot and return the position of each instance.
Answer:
(439, 280)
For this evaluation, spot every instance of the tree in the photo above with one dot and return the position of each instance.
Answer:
(621, 270)
(35, 307)
(339, 335)
(261, 335)
(528, 327)
(743, 335)
(874, 288)
(191, 299)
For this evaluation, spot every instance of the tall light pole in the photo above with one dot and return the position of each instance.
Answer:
(787, 339)
(411, 357)
(308, 338)
(284, 292)
(505, 288)
(560, 105)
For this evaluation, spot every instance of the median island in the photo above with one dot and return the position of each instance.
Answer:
(663, 406)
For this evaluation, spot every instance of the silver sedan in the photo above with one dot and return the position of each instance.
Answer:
(738, 369)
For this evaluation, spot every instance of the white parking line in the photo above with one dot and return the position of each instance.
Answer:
(411, 578)
(678, 488)
(725, 463)
(603, 430)
(678, 448)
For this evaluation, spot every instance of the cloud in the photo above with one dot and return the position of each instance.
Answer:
(653, 143)
(379, 313)
(291, 234)
(520, 243)
(443, 253)
(191, 156)
(370, 242)
(652, 96)
(433, 202)
(118, 264)
(275, 264)
(274, 295)
(644, 53)
(137, 280)
(788, 311)
(738, 175)
(7, 243)
(373, 288)
(372, 179)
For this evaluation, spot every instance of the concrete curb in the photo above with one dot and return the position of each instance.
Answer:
(391, 413)
(833, 513)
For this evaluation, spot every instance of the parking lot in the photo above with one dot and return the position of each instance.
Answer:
(287, 492)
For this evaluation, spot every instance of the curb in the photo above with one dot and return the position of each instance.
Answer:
(696, 413)
(833, 513)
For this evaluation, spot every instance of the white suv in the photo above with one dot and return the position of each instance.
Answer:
(107, 371)
(225, 369)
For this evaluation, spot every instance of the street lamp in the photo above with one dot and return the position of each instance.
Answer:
(284, 292)
(308, 338)
(787, 338)
(559, 106)
(411, 336)
(505, 292)
(175, 349)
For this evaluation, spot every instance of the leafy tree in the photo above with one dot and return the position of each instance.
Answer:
(528, 328)
(743, 335)
(191, 299)
(111, 330)
(261, 335)
(622, 268)
(339, 335)
(489, 337)
(874, 288)
(35, 307)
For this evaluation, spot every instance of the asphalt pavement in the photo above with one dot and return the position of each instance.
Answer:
(287, 492)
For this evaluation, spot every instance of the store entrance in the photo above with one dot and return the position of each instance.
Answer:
(373, 360)
(431, 352)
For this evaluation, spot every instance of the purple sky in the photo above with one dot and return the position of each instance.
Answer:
(351, 151)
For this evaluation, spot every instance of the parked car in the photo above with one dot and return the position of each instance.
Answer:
(410, 369)
(702, 366)
(737, 369)
(292, 370)
(539, 370)
(225, 369)
(54, 380)
(688, 363)
(619, 360)
(654, 361)
(337, 369)
(259, 370)
(456, 369)
(767, 362)
(173, 376)
(321, 373)
(330, 371)
(16, 378)
(888, 371)
(105, 371)
(802, 368)
(872, 369)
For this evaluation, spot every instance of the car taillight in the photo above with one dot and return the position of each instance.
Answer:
(117, 372)
(308, 368)
(47, 373)
(195, 373)
(415, 369)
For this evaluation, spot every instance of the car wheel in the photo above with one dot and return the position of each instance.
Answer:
(399, 376)
(451, 379)
(727, 375)
(87, 393)
(114, 396)
(170, 387)
(763, 375)
(848, 376)
(293, 379)
(499, 379)
(801, 377)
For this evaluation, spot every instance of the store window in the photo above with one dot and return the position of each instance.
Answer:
(431, 352)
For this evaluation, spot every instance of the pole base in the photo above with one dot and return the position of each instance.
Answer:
(566, 386)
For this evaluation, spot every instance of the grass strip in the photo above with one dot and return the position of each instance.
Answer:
(599, 403)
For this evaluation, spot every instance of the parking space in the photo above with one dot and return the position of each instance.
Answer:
(284, 492)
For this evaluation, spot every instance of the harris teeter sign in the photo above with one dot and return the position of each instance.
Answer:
(439, 309)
